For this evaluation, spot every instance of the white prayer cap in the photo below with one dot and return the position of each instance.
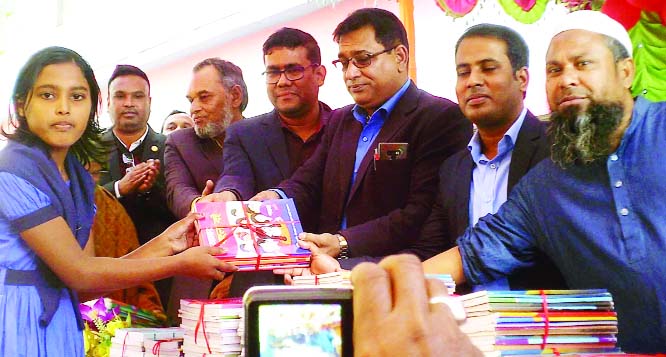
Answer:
(594, 21)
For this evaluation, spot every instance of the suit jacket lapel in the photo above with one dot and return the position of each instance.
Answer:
(149, 142)
(114, 166)
(275, 142)
(523, 151)
(398, 118)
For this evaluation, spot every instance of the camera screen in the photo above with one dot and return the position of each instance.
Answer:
(313, 330)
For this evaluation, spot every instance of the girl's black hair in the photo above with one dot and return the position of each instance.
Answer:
(90, 146)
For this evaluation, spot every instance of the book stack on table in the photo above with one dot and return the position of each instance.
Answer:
(144, 342)
(343, 279)
(541, 322)
(213, 328)
(256, 235)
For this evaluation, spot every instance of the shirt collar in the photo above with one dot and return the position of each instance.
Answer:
(135, 144)
(385, 110)
(505, 145)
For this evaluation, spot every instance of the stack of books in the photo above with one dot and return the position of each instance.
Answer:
(143, 342)
(256, 235)
(337, 279)
(343, 279)
(212, 327)
(541, 322)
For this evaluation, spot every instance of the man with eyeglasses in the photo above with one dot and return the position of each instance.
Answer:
(261, 152)
(373, 178)
(134, 168)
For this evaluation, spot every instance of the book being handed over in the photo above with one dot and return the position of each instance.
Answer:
(255, 235)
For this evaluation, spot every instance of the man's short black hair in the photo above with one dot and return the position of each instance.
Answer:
(516, 48)
(292, 38)
(230, 75)
(128, 70)
(389, 31)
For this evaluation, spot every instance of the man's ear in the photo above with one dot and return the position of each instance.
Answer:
(402, 57)
(236, 94)
(523, 76)
(627, 70)
(320, 75)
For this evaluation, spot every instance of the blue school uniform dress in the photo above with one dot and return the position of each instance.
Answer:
(39, 315)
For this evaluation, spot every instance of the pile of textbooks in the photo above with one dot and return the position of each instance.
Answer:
(343, 279)
(213, 328)
(143, 342)
(255, 235)
(541, 322)
(337, 279)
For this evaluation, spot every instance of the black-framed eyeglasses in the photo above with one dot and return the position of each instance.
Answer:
(293, 73)
(360, 60)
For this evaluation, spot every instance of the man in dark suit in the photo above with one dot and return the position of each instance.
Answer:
(491, 62)
(134, 172)
(264, 150)
(218, 96)
(373, 177)
(134, 167)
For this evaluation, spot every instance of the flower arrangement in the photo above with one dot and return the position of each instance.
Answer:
(101, 323)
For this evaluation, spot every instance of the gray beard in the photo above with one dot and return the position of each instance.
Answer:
(214, 129)
(583, 137)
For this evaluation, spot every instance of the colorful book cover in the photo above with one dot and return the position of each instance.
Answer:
(252, 232)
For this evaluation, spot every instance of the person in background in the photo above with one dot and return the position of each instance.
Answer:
(47, 211)
(134, 163)
(177, 119)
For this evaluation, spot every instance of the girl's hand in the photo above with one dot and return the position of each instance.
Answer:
(200, 262)
(182, 234)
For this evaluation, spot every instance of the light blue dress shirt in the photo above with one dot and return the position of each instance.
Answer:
(490, 179)
(371, 126)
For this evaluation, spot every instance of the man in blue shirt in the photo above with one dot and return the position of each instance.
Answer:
(492, 79)
(596, 209)
(373, 178)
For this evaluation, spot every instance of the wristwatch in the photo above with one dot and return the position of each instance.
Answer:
(344, 247)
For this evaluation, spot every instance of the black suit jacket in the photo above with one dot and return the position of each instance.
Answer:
(255, 154)
(148, 211)
(390, 199)
(450, 215)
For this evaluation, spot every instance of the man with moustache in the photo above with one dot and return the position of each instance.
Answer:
(373, 178)
(262, 151)
(194, 159)
(134, 172)
(218, 96)
(596, 208)
(492, 79)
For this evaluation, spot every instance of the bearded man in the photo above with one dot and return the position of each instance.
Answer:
(218, 96)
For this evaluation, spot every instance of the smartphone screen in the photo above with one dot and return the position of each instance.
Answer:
(300, 330)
